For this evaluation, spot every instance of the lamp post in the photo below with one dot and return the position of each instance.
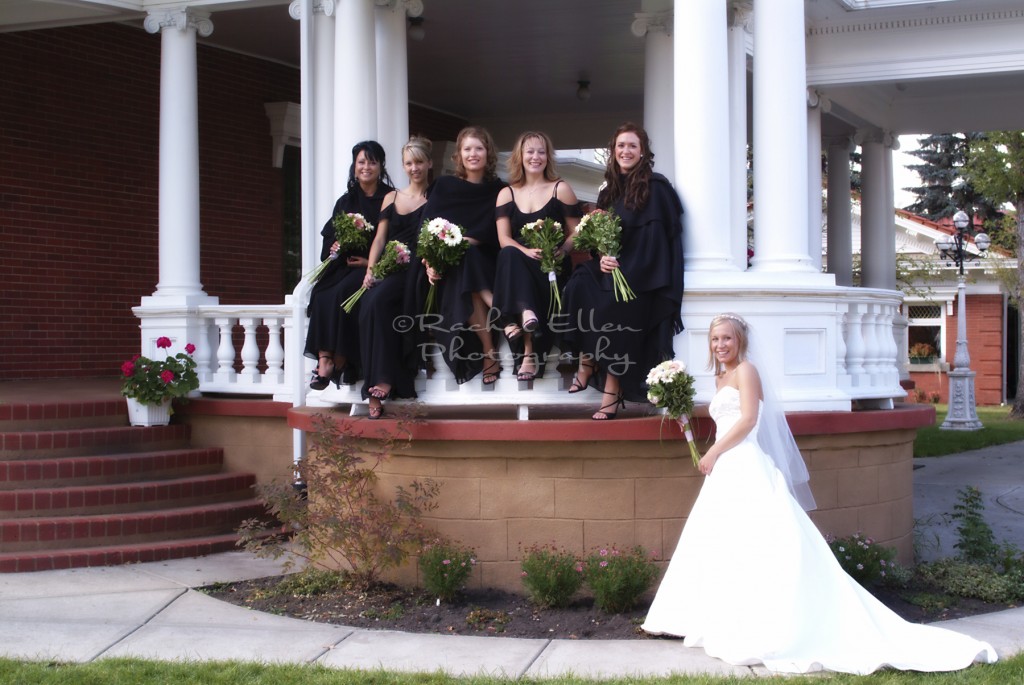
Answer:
(962, 413)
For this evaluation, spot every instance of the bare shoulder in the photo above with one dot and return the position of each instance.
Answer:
(748, 376)
(389, 199)
(565, 193)
(504, 195)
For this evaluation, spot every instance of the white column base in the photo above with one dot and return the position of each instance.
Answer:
(962, 413)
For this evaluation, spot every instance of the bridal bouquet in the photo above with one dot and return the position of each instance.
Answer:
(599, 231)
(546, 235)
(670, 387)
(352, 232)
(442, 246)
(393, 259)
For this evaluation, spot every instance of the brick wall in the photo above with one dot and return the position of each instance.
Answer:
(79, 145)
(985, 314)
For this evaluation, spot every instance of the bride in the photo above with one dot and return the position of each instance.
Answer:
(752, 580)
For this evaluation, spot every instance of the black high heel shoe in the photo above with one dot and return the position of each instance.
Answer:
(580, 385)
(318, 382)
(603, 414)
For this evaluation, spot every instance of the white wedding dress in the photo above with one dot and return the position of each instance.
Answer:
(753, 581)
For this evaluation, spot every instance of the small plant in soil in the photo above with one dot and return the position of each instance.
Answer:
(618, 579)
(550, 576)
(445, 567)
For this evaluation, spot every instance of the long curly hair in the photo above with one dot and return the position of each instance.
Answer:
(481, 134)
(374, 152)
(634, 186)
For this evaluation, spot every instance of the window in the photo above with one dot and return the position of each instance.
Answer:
(924, 332)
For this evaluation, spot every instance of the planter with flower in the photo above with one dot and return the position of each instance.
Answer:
(922, 353)
(149, 385)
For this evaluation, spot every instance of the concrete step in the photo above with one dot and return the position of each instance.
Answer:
(125, 497)
(109, 468)
(78, 532)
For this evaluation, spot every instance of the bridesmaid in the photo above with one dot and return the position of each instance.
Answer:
(522, 293)
(332, 338)
(465, 296)
(384, 371)
(619, 342)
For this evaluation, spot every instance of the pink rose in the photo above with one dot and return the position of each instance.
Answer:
(190, 348)
(128, 368)
(163, 342)
(167, 376)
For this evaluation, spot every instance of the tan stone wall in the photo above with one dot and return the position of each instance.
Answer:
(499, 498)
(261, 445)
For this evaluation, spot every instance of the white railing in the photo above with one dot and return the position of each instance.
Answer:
(257, 350)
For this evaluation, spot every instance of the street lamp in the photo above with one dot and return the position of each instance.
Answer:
(962, 413)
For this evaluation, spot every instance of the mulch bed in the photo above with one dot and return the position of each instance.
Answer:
(495, 612)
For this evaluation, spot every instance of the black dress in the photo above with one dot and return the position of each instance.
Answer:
(519, 283)
(385, 316)
(627, 339)
(330, 328)
(470, 205)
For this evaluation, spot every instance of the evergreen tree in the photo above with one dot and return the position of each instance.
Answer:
(996, 168)
(945, 189)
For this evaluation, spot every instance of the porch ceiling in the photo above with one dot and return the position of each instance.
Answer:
(511, 65)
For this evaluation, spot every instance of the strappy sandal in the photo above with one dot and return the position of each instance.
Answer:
(603, 414)
(491, 371)
(530, 322)
(375, 405)
(579, 385)
(528, 375)
(513, 332)
(318, 382)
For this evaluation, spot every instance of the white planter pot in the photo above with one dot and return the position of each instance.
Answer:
(148, 414)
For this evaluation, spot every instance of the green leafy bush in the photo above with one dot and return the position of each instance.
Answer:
(619, 579)
(976, 541)
(864, 560)
(970, 579)
(446, 568)
(551, 576)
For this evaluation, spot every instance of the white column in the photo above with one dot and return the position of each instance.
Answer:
(815, 105)
(780, 140)
(393, 80)
(874, 253)
(179, 156)
(654, 24)
(840, 238)
(890, 142)
(700, 84)
(738, 37)
(355, 83)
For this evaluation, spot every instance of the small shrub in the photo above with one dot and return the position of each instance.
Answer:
(976, 541)
(969, 579)
(490, 620)
(920, 395)
(934, 397)
(344, 521)
(866, 562)
(446, 567)
(310, 582)
(618, 579)
(551, 576)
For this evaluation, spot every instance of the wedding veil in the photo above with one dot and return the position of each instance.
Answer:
(774, 435)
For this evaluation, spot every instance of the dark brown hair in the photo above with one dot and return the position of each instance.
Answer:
(632, 187)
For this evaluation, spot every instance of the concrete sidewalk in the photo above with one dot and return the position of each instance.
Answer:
(151, 611)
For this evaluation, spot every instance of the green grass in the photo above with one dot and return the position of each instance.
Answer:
(137, 672)
(999, 429)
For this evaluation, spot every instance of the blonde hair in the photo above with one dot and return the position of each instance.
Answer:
(481, 134)
(419, 148)
(739, 329)
(516, 175)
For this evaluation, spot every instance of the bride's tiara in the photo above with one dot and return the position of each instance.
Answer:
(732, 317)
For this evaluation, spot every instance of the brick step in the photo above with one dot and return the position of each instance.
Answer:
(110, 468)
(91, 441)
(43, 560)
(62, 414)
(137, 496)
(62, 532)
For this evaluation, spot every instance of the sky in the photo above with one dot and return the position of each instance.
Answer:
(901, 176)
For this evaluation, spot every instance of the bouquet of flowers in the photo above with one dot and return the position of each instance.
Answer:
(393, 259)
(442, 246)
(670, 387)
(599, 231)
(151, 381)
(546, 235)
(352, 232)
